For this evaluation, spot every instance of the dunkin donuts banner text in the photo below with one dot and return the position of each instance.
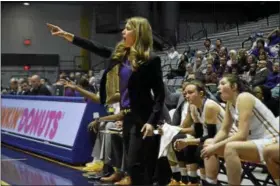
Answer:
(51, 121)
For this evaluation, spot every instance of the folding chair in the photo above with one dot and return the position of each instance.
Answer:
(248, 168)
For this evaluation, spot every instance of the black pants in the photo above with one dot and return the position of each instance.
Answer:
(163, 171)
(141, 154)
(117, 152)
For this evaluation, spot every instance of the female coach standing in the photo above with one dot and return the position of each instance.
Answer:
(141, 90)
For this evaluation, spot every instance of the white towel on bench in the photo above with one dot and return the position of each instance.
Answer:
(166, 149)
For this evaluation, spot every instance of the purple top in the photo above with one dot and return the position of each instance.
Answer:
(125, 73)
(68, 92)
(272, 80)
(274, 40)
(266, 49)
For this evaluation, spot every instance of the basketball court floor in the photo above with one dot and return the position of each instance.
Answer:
(20, 167)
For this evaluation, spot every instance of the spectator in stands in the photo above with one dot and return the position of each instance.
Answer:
(218, 46)
(173, 54)
(221, 68)
(272, 160)
(223, 53)
(198, 54)
(262, 55)
(234, 70)
(200, 69)
(72, 76)
(227, 70)
(232, 58)
(188, 53)
(46, 82)
(42, 81)
(90, 74)
(29, 80)
(211, 76)
(264, 94)
(274, 77)
(25, 90)
(93, 87)
(261, 47)
(249, 60)
(20, 81)
(182, 65)
(208, 46)
(242, 61)
(248, 76)
(61, 79)
(13, 87)
(251, 135)
(189, 72)
(4, 91)
(210, 59)
(261, 74)
(273, 37)
(216, 61)
(78, 76)
(181, 71)
(85, 76)
(37, 88)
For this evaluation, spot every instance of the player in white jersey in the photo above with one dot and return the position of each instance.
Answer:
(256, 128)
(271, 156)
(206, 117)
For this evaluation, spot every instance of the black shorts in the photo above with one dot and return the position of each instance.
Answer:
(192, 155)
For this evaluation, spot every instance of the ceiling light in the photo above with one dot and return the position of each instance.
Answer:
(26, 4)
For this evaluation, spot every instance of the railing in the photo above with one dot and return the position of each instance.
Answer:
(203, 31)
(252, 39)
(103, 62)
(169, 45)
(237, 28)
(74, 64)
(225, 27)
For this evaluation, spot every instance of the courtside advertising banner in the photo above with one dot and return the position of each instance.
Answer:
(50, 121)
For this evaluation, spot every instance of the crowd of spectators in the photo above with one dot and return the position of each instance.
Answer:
(36, 85)
(258, 66)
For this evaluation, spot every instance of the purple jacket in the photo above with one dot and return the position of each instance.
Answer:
(266, 49)
(272, 80)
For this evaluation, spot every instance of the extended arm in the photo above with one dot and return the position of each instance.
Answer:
(94, 47)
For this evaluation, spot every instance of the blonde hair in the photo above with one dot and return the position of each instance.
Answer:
(210, 57)
(143, 45)
(233, 54)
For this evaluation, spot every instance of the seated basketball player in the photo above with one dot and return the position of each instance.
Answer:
(207, 116)
(272, 160)
(255, 130)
